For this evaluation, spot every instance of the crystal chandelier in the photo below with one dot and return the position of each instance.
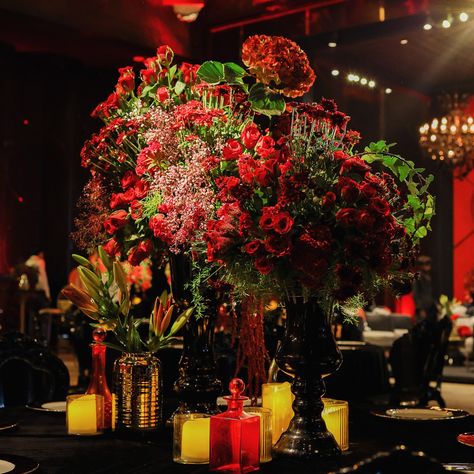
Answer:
(450, 139)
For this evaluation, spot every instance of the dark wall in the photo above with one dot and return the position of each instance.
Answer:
(46, 101)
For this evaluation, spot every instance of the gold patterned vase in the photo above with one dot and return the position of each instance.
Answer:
(137, 388)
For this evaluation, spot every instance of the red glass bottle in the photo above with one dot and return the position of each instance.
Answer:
(98, 383)
(235, 436)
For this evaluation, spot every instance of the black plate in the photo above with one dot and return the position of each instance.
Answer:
(22, 465)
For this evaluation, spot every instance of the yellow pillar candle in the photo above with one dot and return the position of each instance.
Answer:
(195, 441)
(336, 417)
(84, 413)
(278, 397)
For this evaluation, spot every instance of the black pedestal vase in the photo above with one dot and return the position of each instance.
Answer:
(197, 386)
(309, 352)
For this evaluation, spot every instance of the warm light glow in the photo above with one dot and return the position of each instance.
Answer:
(350, 77)
(278, 397)
(84, 414)
(332, 44)
(336, 416)
(195, 440)
(404, 41)
(463, 17)
(427, 26)
(446, 24)
(355, 78)
(364, 81)
(381, 13)
(433, 138)
(388, 90)
(371, 84)
(335, 72)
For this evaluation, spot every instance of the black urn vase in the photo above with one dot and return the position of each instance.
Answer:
(197, 386)
(309, 352)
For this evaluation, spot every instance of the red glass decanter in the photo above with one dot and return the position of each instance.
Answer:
(235, 436)
(98, 384)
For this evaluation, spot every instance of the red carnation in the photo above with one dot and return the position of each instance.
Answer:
(232, 150)
(112, 248)
(250, 136)
(116, 221)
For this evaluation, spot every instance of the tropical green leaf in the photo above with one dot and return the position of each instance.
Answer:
(179, 87)
(233, 73)
(266, 102)
(82, 261)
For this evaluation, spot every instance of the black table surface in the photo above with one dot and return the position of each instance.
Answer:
(42, 437)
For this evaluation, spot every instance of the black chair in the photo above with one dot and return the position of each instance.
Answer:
(29, 373)
(417, 360)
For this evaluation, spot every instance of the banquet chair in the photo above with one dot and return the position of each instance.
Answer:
(29, 373)
(417, 360)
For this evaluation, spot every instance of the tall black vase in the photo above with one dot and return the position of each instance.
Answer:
(197, 386)
(309, 352)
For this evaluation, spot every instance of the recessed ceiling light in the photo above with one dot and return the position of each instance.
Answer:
(363, 81)
(356, 78)
(427, 26)
(335, 72)
(404, 41)
(463, 17)
(388, 90)
(446, 24)
(332, 44)
(371, 84)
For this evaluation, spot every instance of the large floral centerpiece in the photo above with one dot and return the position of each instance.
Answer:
(265, 194)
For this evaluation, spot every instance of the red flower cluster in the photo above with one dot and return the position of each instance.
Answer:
(278, 62)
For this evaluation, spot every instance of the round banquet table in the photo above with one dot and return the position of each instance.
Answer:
(42, 437)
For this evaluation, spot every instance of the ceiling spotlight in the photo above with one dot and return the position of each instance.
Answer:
(446, 23)
(388, 90)
(371, 84)
(404, 41)
(335, 72)
(463, 17)
(427, 26)
(186, 10)
(363, 81)
(332, 44)
(356, 78)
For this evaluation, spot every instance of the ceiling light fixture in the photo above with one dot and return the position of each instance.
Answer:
(404, 41)
(427, 26)
(363, 81)
(332, 44)
(388, 90)
(446, 23)
(335, 72)
(463, 17)
(371, 84)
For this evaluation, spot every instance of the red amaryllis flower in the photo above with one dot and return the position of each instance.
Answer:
(116, 221)
(232, 150)
(250, 136)
(112, 248)
(278, 62)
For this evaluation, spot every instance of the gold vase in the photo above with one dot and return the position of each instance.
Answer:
(137, 388)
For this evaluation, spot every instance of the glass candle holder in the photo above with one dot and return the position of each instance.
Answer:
(85, 414)
(191, 438)
(265, 415)
(279, 399)
(336, 417)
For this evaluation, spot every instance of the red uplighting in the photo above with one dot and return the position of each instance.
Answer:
(26, 122)
(20, 199)
(138, 59)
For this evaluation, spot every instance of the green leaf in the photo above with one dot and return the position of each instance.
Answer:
(211, 72)
(265, 101)
(233, 73)
(105, 258)
(82, 261)
(421, 232)
(179, 87)
(180, 321)
(120, 277)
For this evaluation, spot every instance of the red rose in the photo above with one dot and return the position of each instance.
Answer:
(162, 94)
(366, 220)
(266, 221)
(116, 221)
(380, 206)
(282, 222)
(245, 222)
(262, 176)
(349, 189)
(368, 190)
(232, 150)
(112, 248)
(116, 200)
(354, 165)
(141, 189)
(165, 55)
(126, 82)
(347, 216)
(250, 136)
(140, 252)
(264, 265)
(265, 146)
(128, 179)
(252, 247)
(340, 155)
(329, 199)
(278, 245)
(136, 210)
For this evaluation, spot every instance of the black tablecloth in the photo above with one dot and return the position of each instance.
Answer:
(42, 436)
